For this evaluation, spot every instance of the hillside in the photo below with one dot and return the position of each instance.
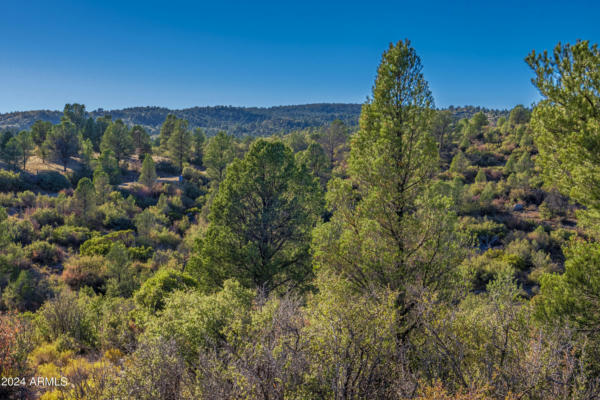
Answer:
(238, 121)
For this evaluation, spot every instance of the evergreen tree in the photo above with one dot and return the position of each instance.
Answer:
(389, 227)
(460, 163)
(148, 173)
(121, 278)
(166, 130)
(481, 176)
(218, 153)
(180, 143)
(117, 138)
(76, 114)
(12, 153)
(62, 142)
(316, 161)
(85, 199)
(565, 122)
(525, 164)
(332, 137)
(101, 185)
(198, 140)
(511, 164)
(519, 115)
(107, 162)
(442, 128)
(141, 141)
(27, 145)
(39, 131)
(260, 221)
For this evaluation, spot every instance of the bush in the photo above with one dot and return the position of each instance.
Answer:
(142, 253)
(100, 245)
(154, 291)
(51, 181)
(72, 236)
(21, 231)
(167, 238)
(115, 330)
(26, 199)
(44, 253)
(65, 316)
(47, 216)
(27, 292)
(84, 271)
(167, 167)
(10, 181)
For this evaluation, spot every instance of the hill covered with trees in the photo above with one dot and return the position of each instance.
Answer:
(423, 254)
(237, 121)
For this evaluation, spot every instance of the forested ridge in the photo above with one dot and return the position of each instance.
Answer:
(421, 253)
(237, 121)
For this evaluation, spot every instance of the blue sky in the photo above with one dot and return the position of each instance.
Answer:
(115, 54)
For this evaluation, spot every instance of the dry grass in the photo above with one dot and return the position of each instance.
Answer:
(35, 165)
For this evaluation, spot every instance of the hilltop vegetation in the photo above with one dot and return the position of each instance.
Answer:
(423, 254)
(237, 121)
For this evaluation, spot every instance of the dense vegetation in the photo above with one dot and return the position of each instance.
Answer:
(423, 254)
(237, 121)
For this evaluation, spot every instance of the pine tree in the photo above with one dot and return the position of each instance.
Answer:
(117, 138)
(198, 139)
(389, 227)
(166, 130)
(460, 163)
(148, 174)
(218, 153)
(260, 221)
(481, 177)
(141, 141)
(12, 153)
(180, 143)
(85, 198)
(101, 185)
(62, 142)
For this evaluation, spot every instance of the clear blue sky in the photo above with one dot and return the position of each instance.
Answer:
(114, 54)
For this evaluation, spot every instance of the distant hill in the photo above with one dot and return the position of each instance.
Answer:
(238, 121)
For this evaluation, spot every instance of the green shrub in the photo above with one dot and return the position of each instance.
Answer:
(26, 199)
(7, 199)
(141, 253)
(44, 253)
(10, 181)
(47, 216)
(101, 245)
(51, 181)
(21, 231)
(27, 292)
(96, 246)
(154, 291)
(68, 235)
(167, 238)
(167, 167)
